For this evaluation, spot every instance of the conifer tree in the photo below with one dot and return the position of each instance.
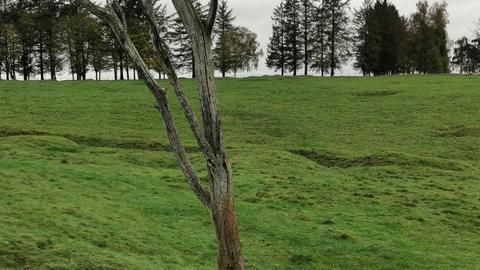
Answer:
(294, 45)
(385, 28)
(24, 23)
(9, 40)
(338, 32)
(224, 19)
(49, 46)
(223, 46)
(276, 52)
(181, 44)
(361, 36)
(307, 13)
(320, 40)
(473, 56)
(164, 22)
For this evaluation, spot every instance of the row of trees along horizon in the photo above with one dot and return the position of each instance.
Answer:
(319, 36)
(41, 37)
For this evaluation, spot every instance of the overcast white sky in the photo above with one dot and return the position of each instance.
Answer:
(256, 15)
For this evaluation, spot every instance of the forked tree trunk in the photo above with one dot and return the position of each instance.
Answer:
(220, 200)
(222, 206)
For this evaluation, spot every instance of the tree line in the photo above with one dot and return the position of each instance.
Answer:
(466, 53)
(45, 37)
(320, 36)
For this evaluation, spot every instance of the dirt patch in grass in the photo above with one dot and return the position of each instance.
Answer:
(457, 131)
(333, 159)
(375, 93)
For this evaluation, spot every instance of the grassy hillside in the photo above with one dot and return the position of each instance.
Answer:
(343, 173)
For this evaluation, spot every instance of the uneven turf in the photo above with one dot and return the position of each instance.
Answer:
(343, 173)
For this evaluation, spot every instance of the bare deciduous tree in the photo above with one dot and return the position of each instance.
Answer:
(220, 199)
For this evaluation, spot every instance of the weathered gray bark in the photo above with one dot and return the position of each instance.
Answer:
(220, 200)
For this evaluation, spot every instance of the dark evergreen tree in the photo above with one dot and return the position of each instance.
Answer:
(164, 21)
(24, 22)
(361, 37)
(473, 56)
(338, 33)
(9, 40)
(385, 28)
(140, 37)
(307, 13)
(49, 46)
(3, 40)
(405, 62)
(276, 52)
(320, 40)
(294, 45)
(222, 31)
(182, 47)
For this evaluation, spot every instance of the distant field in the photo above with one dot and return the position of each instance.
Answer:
(342, 173)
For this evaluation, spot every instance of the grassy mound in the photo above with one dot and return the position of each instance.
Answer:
(342, 173)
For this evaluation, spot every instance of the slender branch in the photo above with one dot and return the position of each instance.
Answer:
(212, 14)
(163, 53)
(204, 70)
(110, 16)
(118, 10)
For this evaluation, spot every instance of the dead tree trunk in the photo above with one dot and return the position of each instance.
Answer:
(220, 199)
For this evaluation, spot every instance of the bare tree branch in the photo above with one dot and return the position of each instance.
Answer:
(163, 53)
(212, 14)
(221, 200)
(110, 16)
(204, 70)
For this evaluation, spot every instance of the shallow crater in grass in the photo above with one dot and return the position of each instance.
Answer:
(300, 259)
(340, 235)
(457, 131)
(97, 142)
(12, 132)
(339, 160)
(376, 93)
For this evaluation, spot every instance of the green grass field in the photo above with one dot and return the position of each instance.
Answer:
(342, 173)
